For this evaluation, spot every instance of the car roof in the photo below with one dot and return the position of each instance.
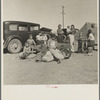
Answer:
(21, 22)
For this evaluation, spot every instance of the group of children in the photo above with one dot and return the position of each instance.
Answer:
(47, 50)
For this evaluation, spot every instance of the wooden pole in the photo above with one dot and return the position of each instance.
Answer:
(63, 16)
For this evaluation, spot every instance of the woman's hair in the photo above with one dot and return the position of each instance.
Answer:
(72, 26)
(53, 36)
(89, 31)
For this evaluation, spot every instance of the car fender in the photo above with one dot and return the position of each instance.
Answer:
(9, 39)
(61, 46)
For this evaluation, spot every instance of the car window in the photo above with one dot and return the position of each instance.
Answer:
(32, 28)
(13, 27)
(23, 28)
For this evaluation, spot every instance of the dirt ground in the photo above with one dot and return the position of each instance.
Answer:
(78, 69)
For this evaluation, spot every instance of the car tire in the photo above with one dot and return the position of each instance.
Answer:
(14, 46)
(67, 53)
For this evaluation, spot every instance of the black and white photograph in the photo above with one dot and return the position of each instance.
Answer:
(50, 49)
(50, 42)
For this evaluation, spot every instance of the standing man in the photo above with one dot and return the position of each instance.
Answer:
(60, 33)
(71, 31)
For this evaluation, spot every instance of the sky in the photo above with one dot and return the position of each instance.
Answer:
(48, 12)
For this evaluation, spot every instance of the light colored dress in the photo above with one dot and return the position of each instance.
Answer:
(52, 44)
(48, 57)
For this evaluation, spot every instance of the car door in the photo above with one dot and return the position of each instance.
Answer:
(23, 32)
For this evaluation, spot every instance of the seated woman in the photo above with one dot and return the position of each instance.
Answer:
(52, 47)
(91, 42)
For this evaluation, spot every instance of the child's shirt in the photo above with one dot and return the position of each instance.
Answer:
(44, 37)
(38, 37)
(91, 37)
(31, 42)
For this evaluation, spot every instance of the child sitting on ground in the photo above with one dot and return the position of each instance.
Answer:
(26, 51)
(31, 42)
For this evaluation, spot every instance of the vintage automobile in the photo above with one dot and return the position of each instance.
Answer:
(16, 33)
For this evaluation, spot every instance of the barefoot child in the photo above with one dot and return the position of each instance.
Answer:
(31, 42)
(26, 51)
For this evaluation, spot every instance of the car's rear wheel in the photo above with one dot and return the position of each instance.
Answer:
(67, 53)
(14, 46)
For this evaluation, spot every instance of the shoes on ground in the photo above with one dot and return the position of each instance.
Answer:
(58, 62)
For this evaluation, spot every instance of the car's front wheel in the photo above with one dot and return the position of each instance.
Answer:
(14, 46)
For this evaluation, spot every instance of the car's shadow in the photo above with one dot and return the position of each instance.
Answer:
(5, 51)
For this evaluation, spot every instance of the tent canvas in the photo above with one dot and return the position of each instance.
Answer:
(85, 28)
